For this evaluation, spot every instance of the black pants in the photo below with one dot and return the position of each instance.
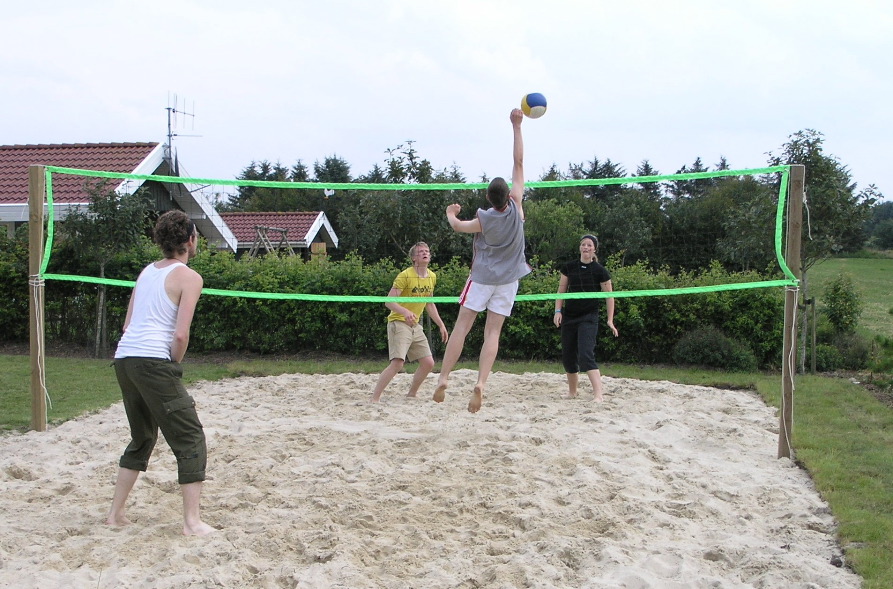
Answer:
(578, 337)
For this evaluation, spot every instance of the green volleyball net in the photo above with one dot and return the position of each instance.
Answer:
(780, 172)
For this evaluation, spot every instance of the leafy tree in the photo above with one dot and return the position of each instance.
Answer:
(404, 166)
(749, 226)
(263, 198)
(386, 224)
(843, 303)
(334, 169)
(552, 229)
(300, 172)
(692, 188)
(652, 189)
(626, 230)
(879, 226)
(305, 199)
(683, 224)
(693, 229)
(112, 223)
(595, 170)
(836, 214)
(375, 176)
(883, 235)
(561, 195)
(243, 201)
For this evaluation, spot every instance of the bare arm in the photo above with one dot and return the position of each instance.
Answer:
(559, 303)
(435, 317)
(517, 191)
(408, 315)
(129, 311)
(458, 225)
(190, 283)
(609, 303)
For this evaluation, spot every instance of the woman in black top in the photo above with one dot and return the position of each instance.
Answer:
(578, 318)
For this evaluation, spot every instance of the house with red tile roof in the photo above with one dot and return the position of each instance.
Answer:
(296, 232)
(69, 191)
(241, 233)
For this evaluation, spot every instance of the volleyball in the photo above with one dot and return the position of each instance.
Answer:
(534, 105)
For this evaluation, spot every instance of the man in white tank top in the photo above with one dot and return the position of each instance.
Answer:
(147, 365)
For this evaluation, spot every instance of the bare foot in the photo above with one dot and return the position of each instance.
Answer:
(119, 520)
(410, 395)
(570, 396)
(440, 393)
(374, 399)
(199, 529)
(599, 399)
(477, 399)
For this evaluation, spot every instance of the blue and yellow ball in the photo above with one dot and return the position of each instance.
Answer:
(534, 105)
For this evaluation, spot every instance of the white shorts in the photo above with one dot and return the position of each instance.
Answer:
(499, 298)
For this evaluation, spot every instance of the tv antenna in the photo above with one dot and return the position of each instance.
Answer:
(177, 115)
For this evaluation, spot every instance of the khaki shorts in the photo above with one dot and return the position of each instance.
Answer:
(407, 343)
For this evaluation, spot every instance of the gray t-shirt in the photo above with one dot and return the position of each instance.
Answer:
(499, 247)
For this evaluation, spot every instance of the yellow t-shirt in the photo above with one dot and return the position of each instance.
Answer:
(411, 285)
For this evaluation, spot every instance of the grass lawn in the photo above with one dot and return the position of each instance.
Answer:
(874, 280)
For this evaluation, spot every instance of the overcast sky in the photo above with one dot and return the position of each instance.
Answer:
(284, 80)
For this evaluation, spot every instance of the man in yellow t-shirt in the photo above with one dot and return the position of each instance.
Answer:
(406, 338)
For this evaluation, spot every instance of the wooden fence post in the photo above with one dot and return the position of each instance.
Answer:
(36, 193)
(789, 355)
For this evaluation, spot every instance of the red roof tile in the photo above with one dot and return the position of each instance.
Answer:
(107, 157)
(242, 225)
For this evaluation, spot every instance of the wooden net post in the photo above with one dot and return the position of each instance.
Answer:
(36, 194)
(792, 259)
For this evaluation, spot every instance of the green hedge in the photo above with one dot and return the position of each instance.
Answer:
(650, 327)
(13, 290)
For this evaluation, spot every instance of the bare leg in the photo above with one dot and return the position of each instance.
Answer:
(572, 379)
(388, 374)
(477, 399)
(595, 377)
(492, 331)
(453, 350)
(426, 364)
(123, 486)
(192, 522)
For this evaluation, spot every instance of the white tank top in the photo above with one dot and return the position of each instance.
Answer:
(154, 317)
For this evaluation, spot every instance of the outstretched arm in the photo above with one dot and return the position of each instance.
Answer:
(517, 191)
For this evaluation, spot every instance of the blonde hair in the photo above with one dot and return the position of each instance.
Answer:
(415, 248)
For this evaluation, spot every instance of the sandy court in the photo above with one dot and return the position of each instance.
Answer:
(662, 486)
